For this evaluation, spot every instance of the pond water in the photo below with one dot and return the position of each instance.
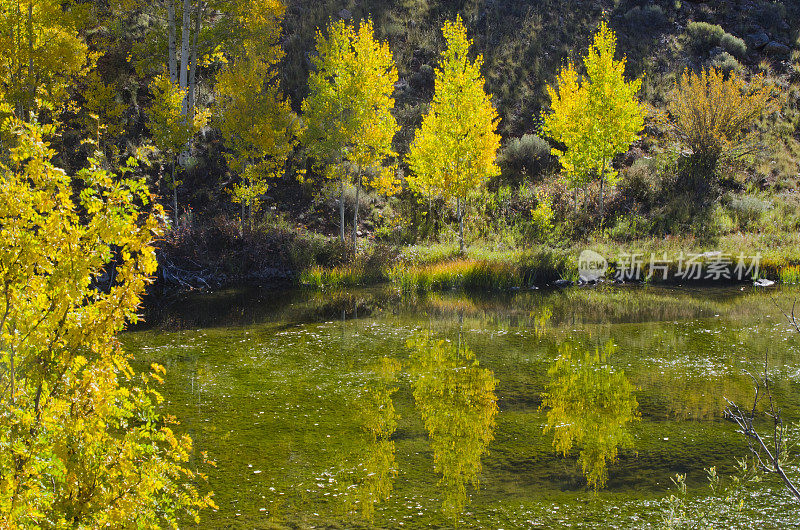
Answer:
(366, 409)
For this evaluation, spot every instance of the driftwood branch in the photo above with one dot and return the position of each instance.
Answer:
(768, 451)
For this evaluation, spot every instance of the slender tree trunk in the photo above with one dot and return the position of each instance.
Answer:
(341, 211)
(174, 193)
(12, 374)
(31, 76)
(241, 221)
(602, 180)
(460, 215)
(576, 199)
(355, 214)
(198, 24)
(173, 61)
(183, 77)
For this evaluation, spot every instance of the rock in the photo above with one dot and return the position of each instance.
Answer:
(763, 282)
(776, 48)
(758, 40)
(562, 283)
(345, 14)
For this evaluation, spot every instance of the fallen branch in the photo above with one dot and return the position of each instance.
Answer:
(769, 454)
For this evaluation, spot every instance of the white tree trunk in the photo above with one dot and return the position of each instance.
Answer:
(355, 214)
(460, 214)
(198, 24)
(602, 181)
(173, 62)
(341, 211)
(183, 78)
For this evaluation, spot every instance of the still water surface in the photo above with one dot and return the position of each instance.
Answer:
(365, 409)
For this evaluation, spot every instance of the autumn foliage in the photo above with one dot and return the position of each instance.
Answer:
(596, 117)
(349, 123)
(82, 444)
(454, 152)
(714, 114)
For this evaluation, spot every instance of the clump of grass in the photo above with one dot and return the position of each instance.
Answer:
(430, 277)
(369, 267)
(790, 274)
(347, 275)
(491, 276)
(483, 274)
(547, 265)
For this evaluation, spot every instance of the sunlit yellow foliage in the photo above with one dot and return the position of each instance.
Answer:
(103, 108)
(714, 115)
(255, 119)
(596, 117)
(40, 54)
(590, 406)
(170, 129)
(349, 125)
(456, 398)
(81, 442)
(454, 151)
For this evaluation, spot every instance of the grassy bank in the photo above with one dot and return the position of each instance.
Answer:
(440, 267)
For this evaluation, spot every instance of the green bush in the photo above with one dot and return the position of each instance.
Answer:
(747, 209)
(648, 17)
(540, 226)
(524, 158)
(704, 37)
(641, 182)
(733, 45)
(630, 227)
(726, 63)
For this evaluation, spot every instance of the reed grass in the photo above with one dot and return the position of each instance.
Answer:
(347, 275)
(790, 274)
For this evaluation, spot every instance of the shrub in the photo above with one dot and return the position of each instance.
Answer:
(725, 62)
(704, 37)
(650, 17)
(640, 182)
(747, 209)
(713, 115)
(630, 227)
(525, 157)
(540, 226)
(733, 45)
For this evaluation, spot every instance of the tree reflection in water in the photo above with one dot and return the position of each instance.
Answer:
(457, 402)
(589, 406)
(372, 482)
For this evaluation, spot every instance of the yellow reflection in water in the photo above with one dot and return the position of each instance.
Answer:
(456, 398)
(590, 406)
(373, 480)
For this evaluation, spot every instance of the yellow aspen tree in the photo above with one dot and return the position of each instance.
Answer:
(170, 128)
(454, 152)
(82, 443)
(349, 125)
(41, 52)
(255, 118)
(597, 117)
